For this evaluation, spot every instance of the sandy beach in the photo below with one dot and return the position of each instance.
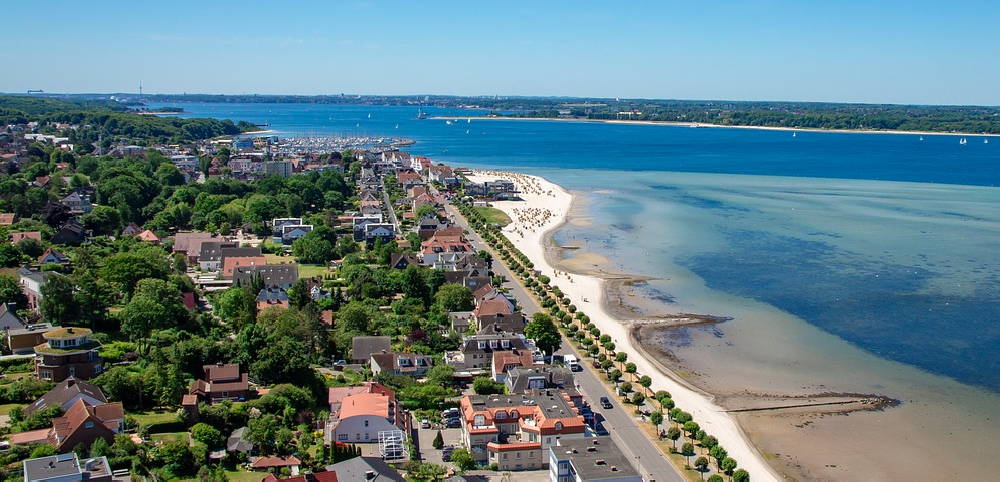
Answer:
(544, 207)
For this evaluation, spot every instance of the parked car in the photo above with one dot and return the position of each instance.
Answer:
(450, 413)
(601, 430)
(605, 402)
(453, 423)
(424, 423)
(446, 452)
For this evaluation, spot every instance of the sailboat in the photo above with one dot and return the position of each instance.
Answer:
(794, 133)
(469, 121)
(397, 126)
(921, 137)
(963, 141)
(447, 122)
(421, 114)
(986, 141)
(369, 116)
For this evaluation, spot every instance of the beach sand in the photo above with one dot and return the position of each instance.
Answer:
(923, 428)
(544, 207)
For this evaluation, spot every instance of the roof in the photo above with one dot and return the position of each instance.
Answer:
(65, 392)
(271, 274)
(231, 263)
(35, 328)
(594, 458)
(80, 412)
(30, 437)
(6, 219)
(364, 346)
(183, 241)
(272, 461)
(493, 307)
(327, 476)
(18, 237)
(361, 404)
(355, 469)
(149, 235)
(59, 257)
(222, 372)
(238, 442)
(69, 332)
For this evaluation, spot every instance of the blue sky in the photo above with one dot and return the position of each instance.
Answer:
(918, 52)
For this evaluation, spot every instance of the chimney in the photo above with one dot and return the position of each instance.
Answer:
(369, 475)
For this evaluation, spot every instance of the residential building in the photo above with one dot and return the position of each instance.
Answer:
(31, 285)
(6, 219)
(278, 223)
(436, 245)
(84, 424)
(71, 233)
(325, 476)
(17, 237)
(67, 468)
(533, 422)
(231, 263)
(150, 237)
(68, 352)
(271, 275)
(223, 381)
(131, 230)
(189, 244)
(66, 394)
(363, 347)
(359, 223)
(379, 231)
(239, 441)
(186, 162)
(475, 355)
(9, 320)
(504, 361)
(525, 378)
(369, 417)
(210, 254)
(23, 340)
(289, 233)
(52, 256)
(273, 462)
(590, 460)
(408, 364)
(366, 469)
(278, 168)
(268, 297)
(78, 203)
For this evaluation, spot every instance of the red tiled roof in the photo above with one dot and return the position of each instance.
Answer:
(267, 462)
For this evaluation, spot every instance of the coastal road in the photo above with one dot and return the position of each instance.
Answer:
(619, 421)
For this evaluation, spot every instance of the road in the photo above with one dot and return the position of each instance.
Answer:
(619, 421)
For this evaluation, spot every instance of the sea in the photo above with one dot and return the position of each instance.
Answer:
(856, 246)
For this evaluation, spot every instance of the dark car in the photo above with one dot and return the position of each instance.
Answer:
(446, 453)
(600, 430)
(453, 423)
(605, 402)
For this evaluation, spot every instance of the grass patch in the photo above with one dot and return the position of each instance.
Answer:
(7, 407)
(493, 215)
(170, 437)
(278, 259)
(154, 418)
(311, 270)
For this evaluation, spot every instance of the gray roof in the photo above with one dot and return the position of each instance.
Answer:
(595, 458)
(555, 377)
(212, 250)
(237, 441)
(65, 392)
(35, 328)
(271, 274)
(9, 319)
(364, 346)
(44, 468)
(355, 469)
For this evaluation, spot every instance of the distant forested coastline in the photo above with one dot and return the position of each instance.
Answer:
(804, 115)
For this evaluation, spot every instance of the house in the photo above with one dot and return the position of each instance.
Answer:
(185, 162)
(427, 225)
(278, 168)
(239, 441)
(504, 361)
(360, 222)
(223, 381)
(408, 364)
(289, 233)
(23, 340)
(269, 297)
(78, 203)
(71, 233)
(475, 355)
(132, 230)
(271, 275)
(66, 394)
(18, 237)
(460, 321)
(520, 426)
(67, 468)
(41, 181)
(325, 476)
(210, 254)
(6, 219)
(227, 251)
(589, 460)
(277, 223)
(497, 314)
(368, 418)
(231, 263)
(522, 379)
(52, 256)
(431, 249)
(84, 424)
(9, 319)
(364, 346)
(189, 244)
(365, 469)
(401, 261)
(379, 231)
(150, 237)
(31, 285)
(68, 352)
(264, 464)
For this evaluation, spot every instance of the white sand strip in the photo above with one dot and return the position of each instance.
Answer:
(544, 207)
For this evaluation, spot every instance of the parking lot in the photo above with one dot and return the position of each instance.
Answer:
(452, 436)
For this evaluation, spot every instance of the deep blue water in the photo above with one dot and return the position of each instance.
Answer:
(840, 269)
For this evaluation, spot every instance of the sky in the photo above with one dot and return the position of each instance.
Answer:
(874, 51)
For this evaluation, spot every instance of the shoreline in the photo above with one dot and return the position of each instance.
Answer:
(589, 291)
(698, 125)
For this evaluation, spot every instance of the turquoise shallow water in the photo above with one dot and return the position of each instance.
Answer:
(887, 241)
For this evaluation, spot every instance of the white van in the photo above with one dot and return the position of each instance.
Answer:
(573, 363)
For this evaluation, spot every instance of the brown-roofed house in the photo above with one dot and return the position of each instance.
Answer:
(18, 237)
(85, 424)
(364, 346)
(66, 394)
(150, 237)
(6, 219)
(230, 264)
(223, 381)
(274, 462)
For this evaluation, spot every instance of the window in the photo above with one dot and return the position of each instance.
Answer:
(482, 345)
(505, 456)
(479, 420)
(531, 455)
(342, 436)
(357, 436)
(225, 394)
(501, 415)
(519, 455)
(97, 368)
(366, 423)
(88, 425)
(514, 414)
(559, 425)
(505, 343)
(493, 343)
(72, 371)
(46, 374)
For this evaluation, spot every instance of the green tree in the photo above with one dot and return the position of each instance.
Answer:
(741, 475)
(237, 305)
(645, 381)
(11, 291)
(311, 249)
(454, 297)
(638, 398)
(57, 304)
(9, 255)
(438, 441)
(441, 374)
(31, 248)
(103, 220)
(674, 433)
(630, 368)
(126, 269)
(486, 386)
(208, 435)
(716, 478)
(656, 418)
(701, 463)
(621, 357)
(691, 427)
(544, 332)
(728, 464)
(156, 305)
(463, 459)
(415, 284)
(687, 450)
(719, 454)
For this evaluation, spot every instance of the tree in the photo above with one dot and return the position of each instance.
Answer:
(701, 463)
(438, 441)
(728, 464)
(719, 454)
(673, 433)
(57, 304)
(544, 332)
(645, 381)
(630, 368)
(621, 357)
(463, 459)
(208, 435)
(687, 450)
(656, 418)
(691, 427)
(156, 305)
(741, 475)
(237, 305)
(103, 220)
(716, 478)
(625, 388)
(9, 255)
(638, 398)
(615, 375)
(441, 374)
(486, 386)
(126, 269)
(11, 291)
(312, 249)
(454, 297)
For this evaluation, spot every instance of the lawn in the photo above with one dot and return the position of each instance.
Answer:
(310, 270)
(493, 215)
(154, 418)
(7, 407)
(170, 437)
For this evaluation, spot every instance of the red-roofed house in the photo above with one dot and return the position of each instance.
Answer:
(359, 414)
(150, 237)
(230, 264)
(432, 249)
(327, 476)
(84, 424)
(6, 219)
(266, 463)
(17, 237)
